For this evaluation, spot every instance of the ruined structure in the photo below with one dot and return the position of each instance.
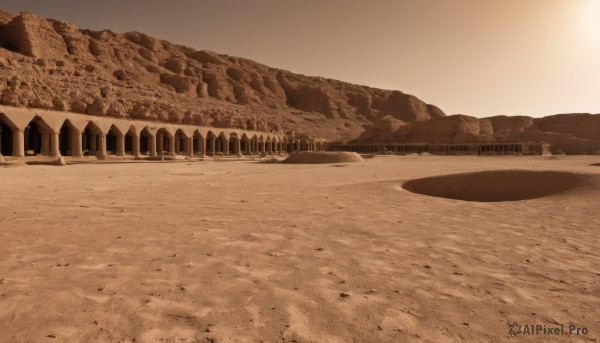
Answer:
(25, 132)
(520, 148)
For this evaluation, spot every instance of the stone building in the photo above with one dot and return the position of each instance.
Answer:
(31, 132)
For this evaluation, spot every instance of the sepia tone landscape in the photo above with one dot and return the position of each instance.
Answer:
(153, 192)
(255, 252)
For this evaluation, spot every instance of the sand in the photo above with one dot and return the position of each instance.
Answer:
(257, 252)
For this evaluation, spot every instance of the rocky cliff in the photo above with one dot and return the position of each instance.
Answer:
(50, 64)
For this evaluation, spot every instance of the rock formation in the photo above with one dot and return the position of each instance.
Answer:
(50, 64)
(571, 133)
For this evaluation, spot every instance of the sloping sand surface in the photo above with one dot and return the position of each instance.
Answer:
(500, 185)
(255, 252)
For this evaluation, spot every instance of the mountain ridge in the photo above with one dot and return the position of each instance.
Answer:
(47, 63)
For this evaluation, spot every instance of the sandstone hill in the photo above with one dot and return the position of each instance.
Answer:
(576, 133)
(50, 64)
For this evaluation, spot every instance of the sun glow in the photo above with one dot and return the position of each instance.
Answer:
(590, 21)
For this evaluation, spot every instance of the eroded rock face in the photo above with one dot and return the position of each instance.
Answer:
(138, 76)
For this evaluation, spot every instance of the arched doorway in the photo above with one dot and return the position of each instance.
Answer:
(6, 138)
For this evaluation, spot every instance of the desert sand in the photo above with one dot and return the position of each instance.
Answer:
(271, 252)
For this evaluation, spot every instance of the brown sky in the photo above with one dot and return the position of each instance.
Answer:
(477, 57)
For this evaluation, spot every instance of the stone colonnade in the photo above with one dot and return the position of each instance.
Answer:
(31, 132)
(523, 148)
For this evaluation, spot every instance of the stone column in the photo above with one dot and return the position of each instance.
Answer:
(190, 145)
(18, 143)
(54, 144)
(201, 147)
(171, 145)
(136, 145)
(152, 145)
(120, 144)
(213, 145)
(101, 152)
(269, 146)
(225, 146)
(238, 146)
(76, 144)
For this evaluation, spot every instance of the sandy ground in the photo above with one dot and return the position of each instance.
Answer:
(255, 252)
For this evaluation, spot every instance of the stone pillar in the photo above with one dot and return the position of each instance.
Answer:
(225, 146)
(101, 151)
(238, 146)
(152, 145)
(201, 147)
(136, 145)
(190, 146)
(262, 147)
(76, 144)
(120, 144)
(45, 143)
(171, 145)
(54, 144)
(18, 143)
(160, 140)
(269, 147)
(177, 141)
(213, 145)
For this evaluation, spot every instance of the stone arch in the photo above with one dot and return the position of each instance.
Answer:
(255, 144)
(181, 141)
(7, 141)
(93, 139)
(222, 144)
(70, 139)
(165, 140)
(132, 141)
(211, 143)
(115, 141)
(147, 138)
(245, 144)
(199, 143)
(235, 143)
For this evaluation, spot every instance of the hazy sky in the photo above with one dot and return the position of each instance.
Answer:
(477, 57)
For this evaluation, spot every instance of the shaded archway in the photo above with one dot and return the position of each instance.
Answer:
(199, 144)
(164, 142)
(181, 143)
(211, 142)
(91, 139)
(284, 144)
(6, 138)
(254, 146)
(222, 144)
(131, 142)
(147, 142)
(70, 140)
(115, 142)
(245, 144)
(235, 144)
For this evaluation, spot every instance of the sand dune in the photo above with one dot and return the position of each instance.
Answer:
(500, 185)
